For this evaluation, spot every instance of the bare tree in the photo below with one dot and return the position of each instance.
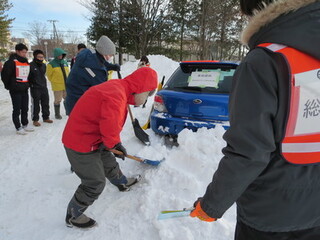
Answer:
(38, 31)
(72, 39)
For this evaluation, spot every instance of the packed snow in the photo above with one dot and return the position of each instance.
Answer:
(36, 182)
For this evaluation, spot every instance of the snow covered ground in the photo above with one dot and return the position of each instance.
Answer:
(36, 182)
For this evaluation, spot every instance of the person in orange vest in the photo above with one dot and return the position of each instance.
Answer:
(14, 75)
(270, 167)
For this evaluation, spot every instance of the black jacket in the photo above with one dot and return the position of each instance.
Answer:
(37, 75)
(271, 194)
(8, 75)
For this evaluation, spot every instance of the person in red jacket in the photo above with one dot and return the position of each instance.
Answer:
(93, 128)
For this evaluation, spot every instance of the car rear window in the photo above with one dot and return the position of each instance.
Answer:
(211, 78)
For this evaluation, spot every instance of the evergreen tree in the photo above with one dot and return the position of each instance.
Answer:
(104, 20)
(183, 14)
(4, 26)
(139, 27)
(146, 26)
(180, 29)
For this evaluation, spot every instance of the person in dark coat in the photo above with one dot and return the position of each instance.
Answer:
(14, 75)
(92, 130)
(144, 62)
(80, 47)
(38, 89)
(275, 199)
(90, 69)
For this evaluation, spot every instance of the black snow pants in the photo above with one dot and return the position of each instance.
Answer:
(244, 232)
(20, 101)
(40, 97)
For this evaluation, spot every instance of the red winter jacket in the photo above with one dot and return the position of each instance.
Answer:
(99, 115)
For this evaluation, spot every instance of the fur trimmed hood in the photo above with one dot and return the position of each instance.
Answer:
(288, 22)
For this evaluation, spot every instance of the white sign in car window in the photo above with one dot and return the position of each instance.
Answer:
(204, 79)
(308, 119)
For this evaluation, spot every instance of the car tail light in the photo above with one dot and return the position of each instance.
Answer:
(159, 104)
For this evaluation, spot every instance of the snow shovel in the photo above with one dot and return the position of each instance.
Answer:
(142, 160)
(138, 131)
(147, 124)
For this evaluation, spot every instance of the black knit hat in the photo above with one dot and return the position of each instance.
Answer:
(20, 47)
(81, 45)
(36, 52)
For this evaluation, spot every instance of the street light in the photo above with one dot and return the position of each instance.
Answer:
(45, 45)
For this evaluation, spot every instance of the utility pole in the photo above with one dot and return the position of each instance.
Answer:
(54, 31)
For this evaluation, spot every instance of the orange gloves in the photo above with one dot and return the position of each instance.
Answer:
(199, 213)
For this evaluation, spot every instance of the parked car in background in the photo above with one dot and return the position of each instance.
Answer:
(195, 96)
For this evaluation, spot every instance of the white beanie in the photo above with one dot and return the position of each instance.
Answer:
(105, 46)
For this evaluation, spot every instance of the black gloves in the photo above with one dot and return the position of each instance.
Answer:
(120, 148)
(114, 67)
(117, 67)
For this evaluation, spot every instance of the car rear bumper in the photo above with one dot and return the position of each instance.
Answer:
(164, 123)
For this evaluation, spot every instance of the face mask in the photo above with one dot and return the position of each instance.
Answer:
(110, 60)
(39, 61)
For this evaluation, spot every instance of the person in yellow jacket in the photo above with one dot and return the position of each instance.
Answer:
(57, 73)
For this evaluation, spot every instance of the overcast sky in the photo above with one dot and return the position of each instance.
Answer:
(71, 15)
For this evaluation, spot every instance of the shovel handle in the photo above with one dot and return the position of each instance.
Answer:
(130, 113)
(128, 156)
(119, 75)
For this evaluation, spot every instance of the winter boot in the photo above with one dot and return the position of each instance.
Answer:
(36, 124)
(57, 111)
(48, 120)
(75, 216)
(125, 183)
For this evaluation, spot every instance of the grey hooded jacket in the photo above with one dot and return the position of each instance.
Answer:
(271, 194)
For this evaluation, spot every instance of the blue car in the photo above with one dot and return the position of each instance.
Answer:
(195, 96)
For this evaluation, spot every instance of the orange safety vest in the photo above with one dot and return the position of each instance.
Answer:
(22, 71)
(301, 143)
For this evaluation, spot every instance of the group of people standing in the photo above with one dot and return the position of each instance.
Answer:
(18, 75)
